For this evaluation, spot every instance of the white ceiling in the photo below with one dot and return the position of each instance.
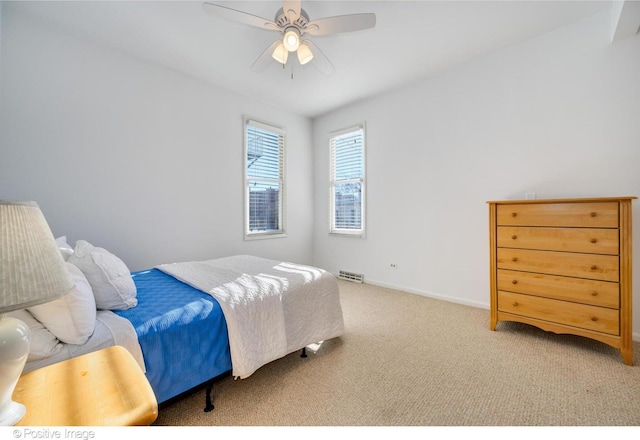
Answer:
(411, 40)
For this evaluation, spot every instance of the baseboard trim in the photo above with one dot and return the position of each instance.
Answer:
(462, 301)
(481, 305)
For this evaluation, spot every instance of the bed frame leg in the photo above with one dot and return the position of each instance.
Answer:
(209, 404)
(304, 352)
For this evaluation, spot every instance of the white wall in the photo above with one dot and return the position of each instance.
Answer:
(0, 44)
(558, 116)
(138, 159)
(148, 162)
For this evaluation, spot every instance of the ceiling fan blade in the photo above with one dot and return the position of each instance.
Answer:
(239, 16)
(341, 24)
(291, 9)
(265, 58)
(320, 60)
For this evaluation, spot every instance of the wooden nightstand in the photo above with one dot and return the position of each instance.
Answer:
(103, 388)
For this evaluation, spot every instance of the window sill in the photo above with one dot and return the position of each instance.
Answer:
(264, 236)
(347, 234)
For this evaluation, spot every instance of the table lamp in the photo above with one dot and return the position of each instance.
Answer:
(32, 271)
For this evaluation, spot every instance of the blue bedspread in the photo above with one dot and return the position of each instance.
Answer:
(182, 333)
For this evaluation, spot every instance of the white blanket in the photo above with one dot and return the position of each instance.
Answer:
(272, 308)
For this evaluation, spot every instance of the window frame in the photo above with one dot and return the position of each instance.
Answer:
(333, 230)
(282, 135)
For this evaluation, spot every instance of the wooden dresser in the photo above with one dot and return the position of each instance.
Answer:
(564, 265)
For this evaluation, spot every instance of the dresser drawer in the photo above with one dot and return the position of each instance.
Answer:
(586, 215)
(591, 266)
(563, 312)
(597, 293)
(589, 240)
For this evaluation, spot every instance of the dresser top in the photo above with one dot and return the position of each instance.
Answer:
(574, 200)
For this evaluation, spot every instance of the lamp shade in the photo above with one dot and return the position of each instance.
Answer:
(304, 53)
(291, 40)
(280, 54)
(32, 270)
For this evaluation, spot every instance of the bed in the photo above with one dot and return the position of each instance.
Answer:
(191, 323)
(182, 334)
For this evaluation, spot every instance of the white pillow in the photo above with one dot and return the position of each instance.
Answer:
(43, 342)
(110, 279)
(65, 249)
(72, 317)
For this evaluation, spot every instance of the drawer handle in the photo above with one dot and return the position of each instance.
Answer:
(514, 259)
(593, 240)
(515, 304)
(514, 214)
(514, 282)
(594, 267)
(513, 237)
(594, 319)
(593, 214)
(594, 293)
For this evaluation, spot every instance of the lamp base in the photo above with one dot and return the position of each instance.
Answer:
(15, 337)
(12, 413)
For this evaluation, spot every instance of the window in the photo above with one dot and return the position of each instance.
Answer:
(347, 182)
(264, 180)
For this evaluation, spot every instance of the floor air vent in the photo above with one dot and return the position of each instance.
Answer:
(350, 276)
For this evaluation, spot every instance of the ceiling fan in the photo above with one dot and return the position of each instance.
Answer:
(293, 23)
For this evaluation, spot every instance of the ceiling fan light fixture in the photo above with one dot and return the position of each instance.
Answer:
(292, 23)
(291, 40)
(280, 54)
(304, 53)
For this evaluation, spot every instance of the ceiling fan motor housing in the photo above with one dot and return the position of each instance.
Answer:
(300, 23)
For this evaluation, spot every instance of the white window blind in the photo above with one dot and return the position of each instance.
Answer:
(347, 181)
(264, 179)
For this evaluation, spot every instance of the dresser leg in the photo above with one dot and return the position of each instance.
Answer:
(627, 355)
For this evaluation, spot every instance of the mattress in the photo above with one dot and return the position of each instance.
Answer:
(110, 330)
(182, 333)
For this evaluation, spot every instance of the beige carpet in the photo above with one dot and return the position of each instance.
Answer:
(408, 360)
